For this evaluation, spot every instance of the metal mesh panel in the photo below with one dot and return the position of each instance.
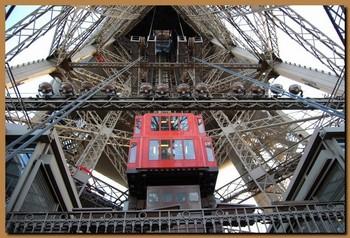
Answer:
(39, 197)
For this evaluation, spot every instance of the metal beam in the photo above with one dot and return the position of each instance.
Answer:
(251, 44)
(26, 31)
(283, 159)
(26, 72)
(336, 14)
(161, 65)
(252, 164)
(40, 104)
(24, 140)
(72, 33)
(115, 25)
(207, 24)
(104, 190)
(309, 37)
(307, 101)
(312, 77)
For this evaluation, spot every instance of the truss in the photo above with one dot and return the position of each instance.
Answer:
(244, 129)
(171, 104)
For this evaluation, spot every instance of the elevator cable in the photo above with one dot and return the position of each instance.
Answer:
(150, 29)
(306, 101)
(333, 94)
(18, 94)
(182, 32)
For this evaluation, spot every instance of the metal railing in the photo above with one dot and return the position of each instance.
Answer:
(293, 218)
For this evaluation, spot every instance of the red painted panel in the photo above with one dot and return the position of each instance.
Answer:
(143, 135)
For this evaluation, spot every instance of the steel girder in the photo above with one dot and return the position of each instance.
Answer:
(248, 42)
(97, 145)
(267, 86)
(286, 143)
(73, 31)
(89, 157)
(336, 14)
(258, 32)
(199, 16)
(68, 29)
(119, 64)
(254, 165)
(97, 190)
(139, 104)
(58, 115)
(32, 27)
(309, 37)
(121, 82)
(124, 15)
(209, 25)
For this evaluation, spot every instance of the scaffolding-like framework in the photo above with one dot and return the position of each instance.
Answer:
(239, 44)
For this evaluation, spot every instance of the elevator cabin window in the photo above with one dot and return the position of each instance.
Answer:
(153, 150)
(171, 149)
(138, 126)
(200, 126)
(165, 149)
(209, 150)
(165, 123)
(132, 155)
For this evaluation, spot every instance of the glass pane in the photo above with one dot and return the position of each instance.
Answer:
(166, 197)
(153, 197)
(201, 126)
(174, 123)
(132, 156)
(138, 126)
(189, 150)
(177, 150)
(184, 123)
(164, 123)
(165, 149)
(210, 154)
(193, 197)
(153, 150)
(155, 124)
(341, 143)
(180, 197)
(39, 198)
(23, 160)
(14, 169)
(332, 187)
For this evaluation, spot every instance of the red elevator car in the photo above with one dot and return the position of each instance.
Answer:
(170, 153)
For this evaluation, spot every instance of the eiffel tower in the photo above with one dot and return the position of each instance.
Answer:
(108, 64)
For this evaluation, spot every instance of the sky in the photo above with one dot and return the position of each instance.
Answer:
(289, 51)
(39, 49)
(18, 12)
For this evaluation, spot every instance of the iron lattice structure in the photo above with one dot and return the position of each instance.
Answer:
(264, 143)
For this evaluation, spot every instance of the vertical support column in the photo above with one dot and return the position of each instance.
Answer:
(118, 158)
(254, 165)
(96, 146)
